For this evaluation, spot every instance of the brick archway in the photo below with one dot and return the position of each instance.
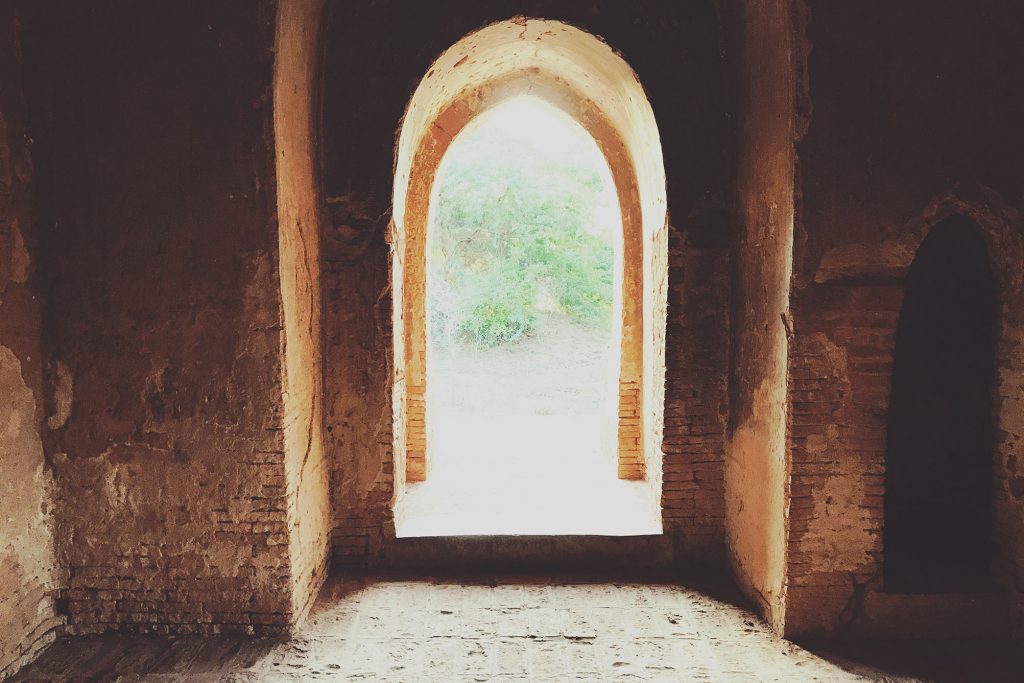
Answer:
(582, 76)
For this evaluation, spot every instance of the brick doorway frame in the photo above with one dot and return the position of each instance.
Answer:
(551, 61)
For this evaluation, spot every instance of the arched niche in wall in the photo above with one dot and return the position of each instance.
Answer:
(939, 464)
(576, 72)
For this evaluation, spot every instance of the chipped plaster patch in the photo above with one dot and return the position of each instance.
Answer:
(63, 395)
(19, 255)
(27, 561)
(838, 535)
(885, 260)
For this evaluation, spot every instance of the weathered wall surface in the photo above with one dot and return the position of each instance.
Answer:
(676, 52)
(693, 487)
(756, 462)
(916, 115)
(28, 567)
(158, 246)
(175, 383)
(296, 119)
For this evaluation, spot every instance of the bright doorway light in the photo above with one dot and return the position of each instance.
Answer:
(524, 279)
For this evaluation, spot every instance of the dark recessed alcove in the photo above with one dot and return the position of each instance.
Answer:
(938, 495)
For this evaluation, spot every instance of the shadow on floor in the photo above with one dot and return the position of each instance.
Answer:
(939, 661)
(630, 625)
(99, 659)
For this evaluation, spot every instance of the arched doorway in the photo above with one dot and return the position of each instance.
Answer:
(938, 494)
(581, 76)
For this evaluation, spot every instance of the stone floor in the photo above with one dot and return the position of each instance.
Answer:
(505, 629)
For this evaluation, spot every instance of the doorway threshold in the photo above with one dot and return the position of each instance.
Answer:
(604, 507)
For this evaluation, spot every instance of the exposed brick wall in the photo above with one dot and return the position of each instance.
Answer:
(839, 374)
(159, 358)
(886, 156)
(631, 464)
(696, 389)
(841, 366)
(359, 370)
(163, 316)
(688, 95)
(1008, 512)
(28, 564)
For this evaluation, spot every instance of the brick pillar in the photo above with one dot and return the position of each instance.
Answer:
(631, 455)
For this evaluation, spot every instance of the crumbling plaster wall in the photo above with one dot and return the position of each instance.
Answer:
(756, 469)
(916, 115)
(297, 88)
(163, 320)
(675, 50)
(28, 566)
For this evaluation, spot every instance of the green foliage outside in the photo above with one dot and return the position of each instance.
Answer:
(513, 235)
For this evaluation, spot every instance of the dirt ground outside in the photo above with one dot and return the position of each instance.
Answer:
(522, 439)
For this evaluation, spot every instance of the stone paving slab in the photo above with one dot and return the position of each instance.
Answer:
(509, 629)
